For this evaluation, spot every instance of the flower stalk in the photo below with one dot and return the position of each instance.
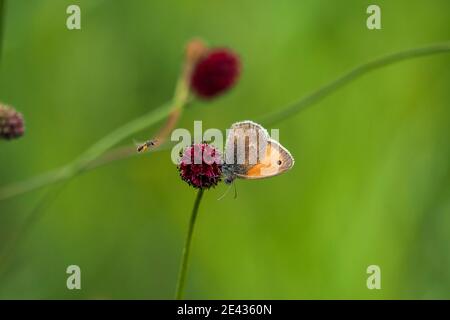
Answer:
(181, 97)
(67, 171)
(187, 248)
(2, 24)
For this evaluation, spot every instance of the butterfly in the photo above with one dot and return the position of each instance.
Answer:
(250, 153)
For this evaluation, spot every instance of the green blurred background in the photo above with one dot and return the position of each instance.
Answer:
(371, 184)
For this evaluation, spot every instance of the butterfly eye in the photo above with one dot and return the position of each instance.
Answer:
(279, 162)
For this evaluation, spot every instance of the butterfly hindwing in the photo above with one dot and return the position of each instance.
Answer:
(276, 161)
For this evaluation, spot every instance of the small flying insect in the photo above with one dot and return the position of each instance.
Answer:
(144, 146)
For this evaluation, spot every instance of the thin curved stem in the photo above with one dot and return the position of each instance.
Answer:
(10, 247)
(82, 164)
(187, 248)
(97, 155)
(2, 25)
(348, 77)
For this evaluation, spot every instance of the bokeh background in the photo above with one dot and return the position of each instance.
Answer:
(371, 184)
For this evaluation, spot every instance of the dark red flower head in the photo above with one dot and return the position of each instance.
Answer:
(200, 166)
(215, 72)
(11, 123)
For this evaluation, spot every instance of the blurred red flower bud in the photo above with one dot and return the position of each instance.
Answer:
(215, 73)
(11, 123)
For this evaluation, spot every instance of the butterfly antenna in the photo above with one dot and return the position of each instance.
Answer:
(225, 193)
(235, 190)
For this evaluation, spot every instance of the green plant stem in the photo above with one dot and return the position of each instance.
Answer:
(2, 25)
(346, 78)
(187, 248)
(82, 164)
(9, 247)
(97, 155)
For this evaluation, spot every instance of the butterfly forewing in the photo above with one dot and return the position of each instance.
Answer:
(245, 145)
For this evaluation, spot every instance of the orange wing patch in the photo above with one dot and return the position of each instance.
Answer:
(276, 161)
